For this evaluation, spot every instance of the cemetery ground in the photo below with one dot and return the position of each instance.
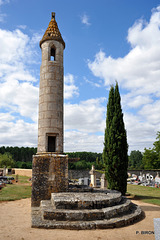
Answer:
(144, 193)
(17, 190)
(16, 217)
(22, 189)
(16, 225)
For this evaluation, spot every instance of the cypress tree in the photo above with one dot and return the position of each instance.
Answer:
(115, 144)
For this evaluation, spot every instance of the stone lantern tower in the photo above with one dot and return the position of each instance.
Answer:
(50, 126)
(50, 165)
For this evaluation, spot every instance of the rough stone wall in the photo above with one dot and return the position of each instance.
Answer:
(51, 97)
(49, 175)
(76, 174)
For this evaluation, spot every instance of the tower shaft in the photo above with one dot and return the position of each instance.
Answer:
(50, 122)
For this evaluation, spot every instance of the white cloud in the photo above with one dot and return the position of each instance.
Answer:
(6, 117)
(70, 89)
(20, 97)
(18, 133)
(23, 27)
(16, 81)
(81, 141)
(85, 19)
(87, 116)
(152, 113)
(131, 100)
(84, 125)
(18, 90)
(139, 74)
(140, 133)
(139, 69)
(94, 84)
(17, 49)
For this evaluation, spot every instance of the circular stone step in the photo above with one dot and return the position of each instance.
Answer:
(83, 200)
(83, 214)
(135, 215)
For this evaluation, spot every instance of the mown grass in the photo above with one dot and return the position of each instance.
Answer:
(16, 191)
(145, 194)
(22, 179)
(23, 190)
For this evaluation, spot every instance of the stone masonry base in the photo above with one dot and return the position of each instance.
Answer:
(49, 174)
(98, 209)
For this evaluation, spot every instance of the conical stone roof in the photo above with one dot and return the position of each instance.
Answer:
(52, 32)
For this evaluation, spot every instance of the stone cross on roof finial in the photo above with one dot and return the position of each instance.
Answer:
(53, 15)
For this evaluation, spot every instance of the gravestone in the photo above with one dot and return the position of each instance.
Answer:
(103, 181)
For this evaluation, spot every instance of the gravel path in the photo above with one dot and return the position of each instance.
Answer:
(15, 224)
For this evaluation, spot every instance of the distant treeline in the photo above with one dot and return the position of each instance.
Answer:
(22, 157)
(87, 159)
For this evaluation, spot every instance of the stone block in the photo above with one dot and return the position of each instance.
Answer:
(41, 99)
(46, 122)
(43, 107)
(51, 106)
(54, 122)
(52, 83)
(47, 90)
(43, 183)
(48, 75)
(48, 98)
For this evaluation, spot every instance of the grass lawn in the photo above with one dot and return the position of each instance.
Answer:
(22, 189)
(22, 179)
(145, 194)
(16, 191)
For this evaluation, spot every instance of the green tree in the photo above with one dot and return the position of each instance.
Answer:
(150, 159)
(115, 144)
(6, 160)
(90, 158)
(157, 145)
(20, 154)
(135, 160)
(151, 156)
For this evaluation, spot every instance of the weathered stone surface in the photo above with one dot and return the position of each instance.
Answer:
(50, 213)
(85, 200)
(49, 174)
(133, 215)
(122, 212)
(51, 96)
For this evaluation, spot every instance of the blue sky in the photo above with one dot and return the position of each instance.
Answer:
(105, 41)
